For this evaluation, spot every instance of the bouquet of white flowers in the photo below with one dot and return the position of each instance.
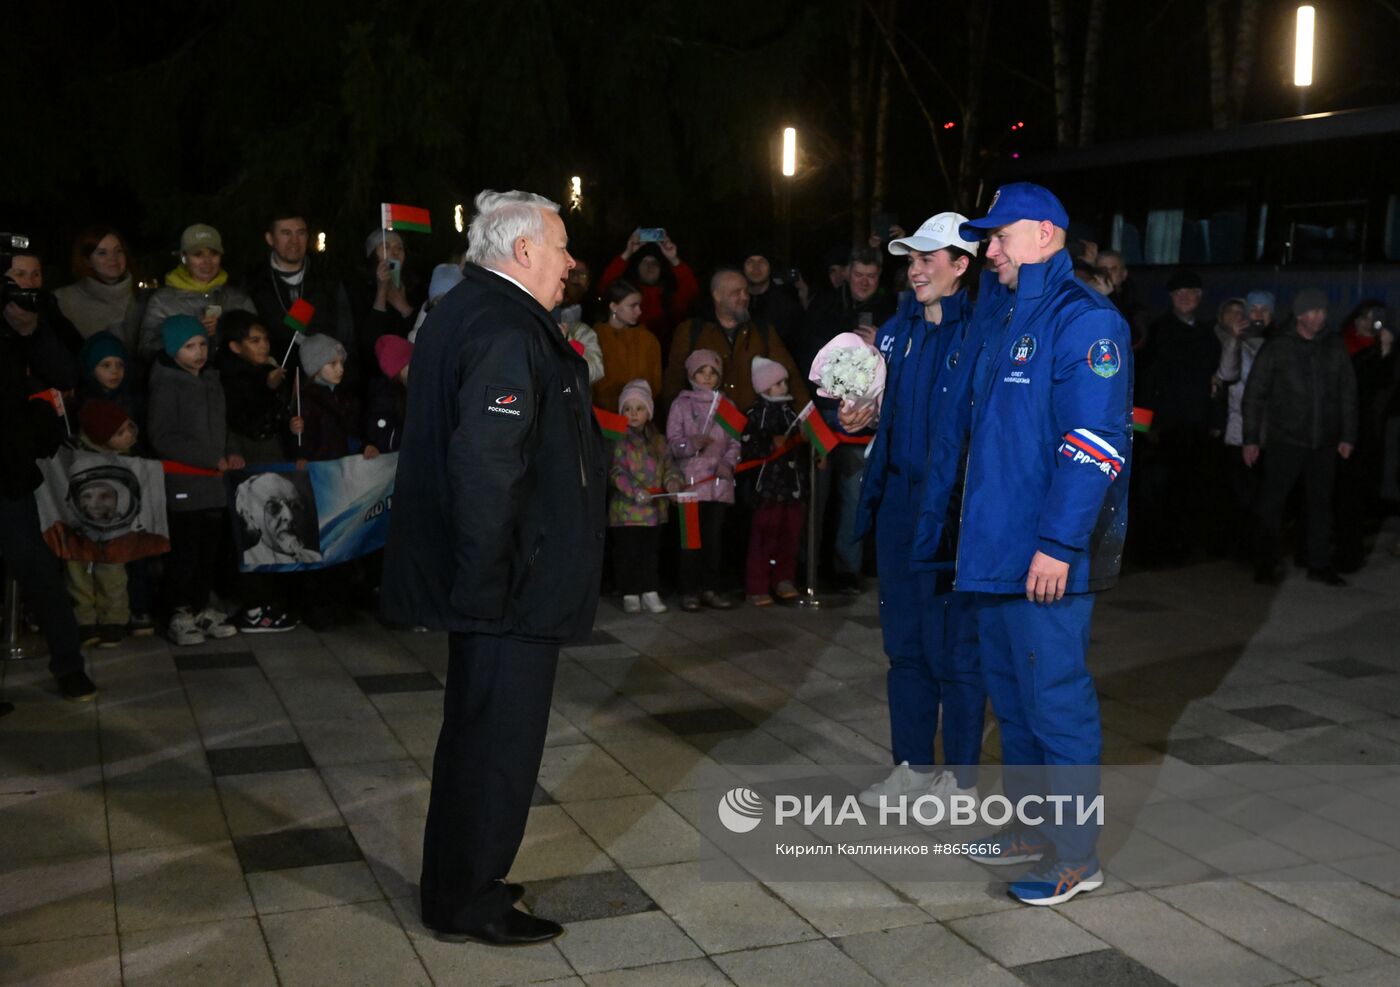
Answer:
(851, 370)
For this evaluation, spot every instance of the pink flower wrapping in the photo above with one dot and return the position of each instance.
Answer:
(851, 370)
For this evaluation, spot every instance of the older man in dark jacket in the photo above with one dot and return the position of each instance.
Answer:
(1300, 405)
(496, 537)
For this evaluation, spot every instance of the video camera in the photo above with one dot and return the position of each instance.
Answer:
(25, 298)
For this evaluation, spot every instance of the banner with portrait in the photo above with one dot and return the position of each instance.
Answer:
(102, 507)
(286, 519)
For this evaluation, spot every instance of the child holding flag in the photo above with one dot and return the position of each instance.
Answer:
(703, 429)
(641, 466)
(770, 440)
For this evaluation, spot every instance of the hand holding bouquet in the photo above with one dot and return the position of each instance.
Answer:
(851, 370)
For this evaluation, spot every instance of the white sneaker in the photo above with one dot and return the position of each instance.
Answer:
(945, 786)
(632, 604)
(214, 623)
(651, 602)
(183, 629)
(903, 781)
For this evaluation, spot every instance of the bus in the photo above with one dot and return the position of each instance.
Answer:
(1308, 201)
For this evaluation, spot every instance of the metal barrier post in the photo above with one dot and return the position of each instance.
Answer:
(809, 598)
(17, 645)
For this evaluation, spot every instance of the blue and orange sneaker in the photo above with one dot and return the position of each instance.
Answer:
(1012, 846)
(1057, 882)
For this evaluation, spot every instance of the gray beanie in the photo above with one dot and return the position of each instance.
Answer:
(317, 350)
(1309, 300)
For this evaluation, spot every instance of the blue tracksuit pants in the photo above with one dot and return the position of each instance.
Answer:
(931, 641)
(1033, 660)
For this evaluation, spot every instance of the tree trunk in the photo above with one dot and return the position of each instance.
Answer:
(1089, 92)
(1219, 65)
(1242, 69)
(1059, 46)
(860, 215)
(979, 21)
(881, 136)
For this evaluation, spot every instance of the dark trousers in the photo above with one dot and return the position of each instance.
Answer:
(190, 566)
(29, 561)
(1282, 465)
(700, 567)
(495, 717)
(636, 551)
(773, 540)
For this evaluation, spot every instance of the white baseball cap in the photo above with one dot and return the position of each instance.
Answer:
(937, 232)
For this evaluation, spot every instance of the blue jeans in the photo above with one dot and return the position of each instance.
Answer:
(931, 639)
(1033, 660)
(845, 469)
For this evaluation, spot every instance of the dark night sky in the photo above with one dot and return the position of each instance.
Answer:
(156, 115)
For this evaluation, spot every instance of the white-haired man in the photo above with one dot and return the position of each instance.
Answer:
(496, 537)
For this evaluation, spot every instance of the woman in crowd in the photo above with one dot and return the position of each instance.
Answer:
(630, 350)
(667, 284)
(198, 287)
(385, 301)
(103, 292)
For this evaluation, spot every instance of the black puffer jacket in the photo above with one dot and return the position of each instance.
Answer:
(29, 429)
(1301, 392)
(780, 480)
(498, 518)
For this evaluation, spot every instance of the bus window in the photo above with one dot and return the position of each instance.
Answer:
(1163, 236)
(1320, 233)
(1126, 240)
(1392, 228)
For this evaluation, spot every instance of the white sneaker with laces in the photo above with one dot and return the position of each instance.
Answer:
(182, 628)
(651, 602)
(632, 604)
(214, 623)
(945, 786)
(903, 781)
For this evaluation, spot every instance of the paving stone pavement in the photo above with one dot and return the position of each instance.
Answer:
(249, 811)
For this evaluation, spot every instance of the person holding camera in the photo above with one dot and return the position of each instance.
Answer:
(197, 287)
(668, 284)
(33, 418)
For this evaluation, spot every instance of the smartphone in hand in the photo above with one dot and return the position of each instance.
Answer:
(651, 234)
(396, 272)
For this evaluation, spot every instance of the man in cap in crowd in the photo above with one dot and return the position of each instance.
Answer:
(1043, 520)
(1302, 393)
(930, 632)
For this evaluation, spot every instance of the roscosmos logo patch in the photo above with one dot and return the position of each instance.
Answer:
(504, 401)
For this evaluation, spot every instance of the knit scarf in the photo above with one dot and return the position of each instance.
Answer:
(181, 280)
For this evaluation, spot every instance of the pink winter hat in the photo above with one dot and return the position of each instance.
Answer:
(637, 390)
(702, 358)
(393, 353)
(765, 373)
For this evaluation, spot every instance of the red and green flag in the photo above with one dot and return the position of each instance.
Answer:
(299, 316)
(397, 217)
(818, 432)
(730, 418)
(614, 426)
(1142, 419)
(689, 518)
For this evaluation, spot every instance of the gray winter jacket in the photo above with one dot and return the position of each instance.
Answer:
(168, 301)
(185, 423)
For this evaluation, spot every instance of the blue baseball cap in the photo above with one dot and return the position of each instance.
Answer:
(1015, 202)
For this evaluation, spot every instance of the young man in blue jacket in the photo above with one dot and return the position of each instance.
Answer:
(1042, 522)
(930, 632)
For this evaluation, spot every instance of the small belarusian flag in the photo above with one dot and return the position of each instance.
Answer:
(1142, 419)
(299, 316)
(614, 426)
(816, 429)
(396, 217)
(689, 520)
(730, 418)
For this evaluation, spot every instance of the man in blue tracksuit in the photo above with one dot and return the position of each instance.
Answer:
(1043, 520)
(929, 631)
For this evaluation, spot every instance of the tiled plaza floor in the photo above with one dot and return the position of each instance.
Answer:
(249, 812)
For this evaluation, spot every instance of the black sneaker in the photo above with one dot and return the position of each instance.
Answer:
(142, 625)
(110, 635)
(88, 635)
(264, 620)
(76, 687)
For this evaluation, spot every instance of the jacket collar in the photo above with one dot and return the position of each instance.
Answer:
(1034, 280)
(495, 284)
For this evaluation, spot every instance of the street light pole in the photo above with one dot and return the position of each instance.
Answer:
(1303, 54)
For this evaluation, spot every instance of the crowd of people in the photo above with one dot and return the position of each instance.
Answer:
(209, 371)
